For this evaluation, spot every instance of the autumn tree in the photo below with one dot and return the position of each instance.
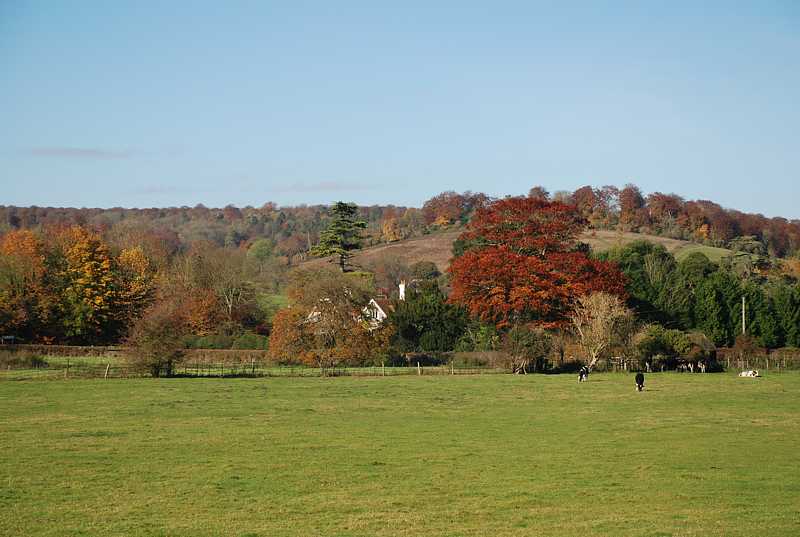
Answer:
(343, 234)
(601, 321)
(586, 201)
(89, 297)
(327, 325)
(230, 282)
(287, 340)
(217, 290)
(67, 285)
(156, 341)
(190, 281)
(136, 281)
(388, 270)
(444, 208)
(26, 303)
(539, 192)
(631, 208)
(522, 263)
(390, 230)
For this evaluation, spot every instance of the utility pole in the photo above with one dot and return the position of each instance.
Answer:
(744, 320)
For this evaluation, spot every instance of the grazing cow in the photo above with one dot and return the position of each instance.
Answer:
(750, 373)
(583, 374)
(639, 381)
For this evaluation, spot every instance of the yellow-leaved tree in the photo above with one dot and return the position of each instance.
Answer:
(90, 291)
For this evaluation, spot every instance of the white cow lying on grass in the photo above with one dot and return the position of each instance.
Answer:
(750, 373)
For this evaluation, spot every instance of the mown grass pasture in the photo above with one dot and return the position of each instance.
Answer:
(512, 455)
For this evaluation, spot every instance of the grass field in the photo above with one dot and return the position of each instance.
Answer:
(438, 247)
(694, 455)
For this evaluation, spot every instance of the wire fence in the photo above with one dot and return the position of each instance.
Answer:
(95, 367)
(21, 366)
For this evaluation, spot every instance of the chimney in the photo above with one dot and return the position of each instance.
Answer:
(402, 289)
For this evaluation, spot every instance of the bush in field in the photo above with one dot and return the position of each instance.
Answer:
(527, 348)
(156, 341)
(656, 340)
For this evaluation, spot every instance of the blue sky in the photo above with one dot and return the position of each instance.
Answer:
(168, 103)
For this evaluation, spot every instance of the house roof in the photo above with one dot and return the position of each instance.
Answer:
(385, 304)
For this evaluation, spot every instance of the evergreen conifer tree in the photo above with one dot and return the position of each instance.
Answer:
(343, 234)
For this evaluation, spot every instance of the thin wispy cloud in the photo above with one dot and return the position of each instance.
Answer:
(323, 186)
(89, 153)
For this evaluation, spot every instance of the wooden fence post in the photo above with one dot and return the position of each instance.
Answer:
(419, 369)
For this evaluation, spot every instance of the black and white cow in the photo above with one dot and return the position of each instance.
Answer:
(583, 374)
(639, 381)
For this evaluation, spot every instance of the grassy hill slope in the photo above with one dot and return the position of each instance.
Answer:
(437, 247)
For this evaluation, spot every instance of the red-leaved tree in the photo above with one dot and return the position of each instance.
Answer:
(523, 264)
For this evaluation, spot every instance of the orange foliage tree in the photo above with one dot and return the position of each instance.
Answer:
(326, 325)
(25, 302)
(287, 343)
(135, 284)
(66, 285)
(523, 264)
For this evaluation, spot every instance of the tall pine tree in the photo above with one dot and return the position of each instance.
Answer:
(343, 234)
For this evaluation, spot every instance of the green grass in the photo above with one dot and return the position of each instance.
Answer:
(714, 254)
(694, 455)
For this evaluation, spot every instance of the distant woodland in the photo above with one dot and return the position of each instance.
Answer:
(294, 230)
(86, 276)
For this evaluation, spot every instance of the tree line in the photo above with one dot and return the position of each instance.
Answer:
(517, 281)
(293, 231)
(629, 209)
(72, 285)
(521, 282)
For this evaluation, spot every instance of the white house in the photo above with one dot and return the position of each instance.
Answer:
(375, 312)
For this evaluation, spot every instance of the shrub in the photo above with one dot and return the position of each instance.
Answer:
(156, 341)
(656, 340)
(527, 348)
